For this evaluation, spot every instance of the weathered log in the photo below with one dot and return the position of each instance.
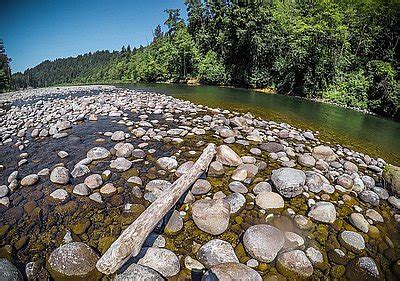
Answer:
(130, 242)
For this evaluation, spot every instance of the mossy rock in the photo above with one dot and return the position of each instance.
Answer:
(338, 271)
(81, 226)
(104, 243)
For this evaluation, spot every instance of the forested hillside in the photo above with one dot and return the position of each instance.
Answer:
(343, 51)
(5, 71)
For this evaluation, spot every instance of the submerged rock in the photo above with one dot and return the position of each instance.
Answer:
(30, 180)
(74, 260)
(391, 174)
(162, 260)
(352, 241)
(98, 153)
(323, 212)
(294, 264)
(167, 163)
(231, 271)
(216, 252)
(270, 200)
(363, 268)
(263, 242)
(211, 215)
(8, 272)
(138, 272)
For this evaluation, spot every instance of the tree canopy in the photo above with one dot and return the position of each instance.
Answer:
(343, 51)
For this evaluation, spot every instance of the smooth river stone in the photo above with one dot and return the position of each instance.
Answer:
(263, 242)
(162, 260)
(216, 252)
(288, 181)
(226, 156)
(270, 200)
(323, 212)
(211, 215)
(294, 264)
(97, 153)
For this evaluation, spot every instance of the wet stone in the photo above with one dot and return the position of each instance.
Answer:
(211, 215)
(59, 175)
(216, 252)
(201, 187)
(288, 181)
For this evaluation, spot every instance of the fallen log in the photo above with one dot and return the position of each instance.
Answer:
(130, 242)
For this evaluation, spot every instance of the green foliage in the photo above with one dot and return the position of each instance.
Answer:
(341, 50)
(5, 70)
(211, 69)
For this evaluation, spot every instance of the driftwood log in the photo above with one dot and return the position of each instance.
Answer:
(130, 242)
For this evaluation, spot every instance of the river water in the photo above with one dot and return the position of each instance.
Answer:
(376, 136)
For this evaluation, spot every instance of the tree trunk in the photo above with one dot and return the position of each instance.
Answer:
(131, 240)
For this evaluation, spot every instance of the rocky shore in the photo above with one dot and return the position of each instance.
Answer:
(79, 164)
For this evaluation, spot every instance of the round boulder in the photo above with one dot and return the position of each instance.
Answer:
(294, 264)
(231, 271)
(323, 212)
(216, 252)
(73, 260)
(211, 215)
(97, 153)
(162, 260)
(288, 181)
(263, 242)
(270, 200)
(59, 175)
(324, 152)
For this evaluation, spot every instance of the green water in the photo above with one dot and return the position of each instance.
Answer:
(376, 136)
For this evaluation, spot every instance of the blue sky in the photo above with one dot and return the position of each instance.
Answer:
(36, 30)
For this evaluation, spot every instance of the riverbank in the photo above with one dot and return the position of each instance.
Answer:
(80, 164)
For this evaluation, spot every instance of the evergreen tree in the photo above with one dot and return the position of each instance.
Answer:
(5, 70)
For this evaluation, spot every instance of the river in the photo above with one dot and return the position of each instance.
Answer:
(376, 136)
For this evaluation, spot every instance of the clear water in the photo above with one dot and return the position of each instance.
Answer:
(376, 136)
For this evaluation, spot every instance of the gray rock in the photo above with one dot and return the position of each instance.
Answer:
(270, 200)
(201, 187)
(121, 164)
(363, 268)
(59, 175)
(216, 169)
(236, 201)
(73, 260)
(118, 136)
(315, 181)
(324, 152)
(80, 170)
(288, 181)
(123, 149)
(93, 181)
(211, 215)
(294, 264)
(98, 153)
(306, 160)
(272, 147)
(216, 252)
(81, 189)
(359, 222)
(174, 224)
(184, 168)
(162, 260)
(8, 272)
(391, 174)
(352, 241)
(370, 197)
(263, 242)
(167, 163)
(226, 156)
(374, 215)
(323, 212)
(237, 186)
(136, 272)
(262, 187)
(30, 180)
(59, 194)
(231, 271)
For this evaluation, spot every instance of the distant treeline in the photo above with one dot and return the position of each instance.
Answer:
(343, 51)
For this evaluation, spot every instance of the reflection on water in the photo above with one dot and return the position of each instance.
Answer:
(378, 137)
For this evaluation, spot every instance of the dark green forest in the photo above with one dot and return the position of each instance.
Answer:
(5, 70)
(342, 51)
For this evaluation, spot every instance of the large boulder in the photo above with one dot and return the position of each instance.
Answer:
(137, 272)
(323, 212)
(216, 252)
(324, 152)
(288, 181)
(8, 272)
(231, 271)
(211, 215)
(263, 242)
(294, 264)
(162, 260)
(391, 174)
(226, 156)
(74, 260)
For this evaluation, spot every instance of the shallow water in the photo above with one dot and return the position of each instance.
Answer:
(376, 136)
